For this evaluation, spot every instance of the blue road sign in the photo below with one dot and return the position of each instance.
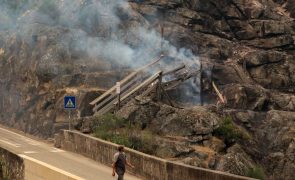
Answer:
(70, 102)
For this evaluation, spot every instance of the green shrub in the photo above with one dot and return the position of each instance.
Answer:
(144, 141)
(256, 172)
(109, 122)
(120, 131)
(228, 131)
(107, 127)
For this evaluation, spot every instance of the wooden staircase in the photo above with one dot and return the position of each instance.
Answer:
(139, 82)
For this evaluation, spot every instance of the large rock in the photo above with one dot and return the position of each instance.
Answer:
(167, 120)
(258, 58)
(277, 134)
(275, 75)
(282, 101)
(246, 97)
(235, 161)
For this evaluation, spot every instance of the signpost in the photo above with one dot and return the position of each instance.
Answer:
(69, 104)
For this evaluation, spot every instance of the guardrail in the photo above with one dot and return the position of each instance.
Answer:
(147, 166)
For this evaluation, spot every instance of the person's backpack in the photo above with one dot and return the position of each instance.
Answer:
(121, 162)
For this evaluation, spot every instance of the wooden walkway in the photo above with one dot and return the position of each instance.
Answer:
(140, 82)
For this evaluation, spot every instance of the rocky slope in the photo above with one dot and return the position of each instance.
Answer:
(246, 47)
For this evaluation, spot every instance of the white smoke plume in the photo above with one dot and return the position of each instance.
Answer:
(101, 29)
(98, 25)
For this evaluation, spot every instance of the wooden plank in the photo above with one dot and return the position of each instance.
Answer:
(152, 63)
(126, 79)
(114, 95)
(98, 106)
(168, 97)
(174, 70)
(218, 92)
(148, 91)
(145, 83)
(105, 109)
(112, 104)
(172, 84)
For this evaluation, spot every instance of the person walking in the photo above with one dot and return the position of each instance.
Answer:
(119, 163)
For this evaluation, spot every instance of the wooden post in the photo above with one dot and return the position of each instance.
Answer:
(119, 101)
(118, 91)
(168, 97)
(201, 84)
(159, 86)
(162, 37)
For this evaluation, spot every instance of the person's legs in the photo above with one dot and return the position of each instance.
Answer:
(120, 176)
(120, 173)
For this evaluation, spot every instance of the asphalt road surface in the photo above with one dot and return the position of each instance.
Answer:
(66, 161)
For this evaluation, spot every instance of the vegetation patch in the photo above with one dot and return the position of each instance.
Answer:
(121, 131)
(256, 172)
(228, 131)
(2, 173)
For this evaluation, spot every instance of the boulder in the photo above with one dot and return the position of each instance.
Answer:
(166, 120)
(276, 135)
(171, 149)
(246, 97)
(235, 161)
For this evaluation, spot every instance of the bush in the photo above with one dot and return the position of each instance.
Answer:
(228, 131)
(256, 172)
(144, 141)
(107, 127)
(120, 131)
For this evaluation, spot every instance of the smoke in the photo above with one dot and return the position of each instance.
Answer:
(106, 30)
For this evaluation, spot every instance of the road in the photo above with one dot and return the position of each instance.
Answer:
(66, 161)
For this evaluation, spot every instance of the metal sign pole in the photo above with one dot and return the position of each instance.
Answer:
(70, 119)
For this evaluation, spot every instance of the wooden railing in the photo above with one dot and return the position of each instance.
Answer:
(143, 83)
(128, 86)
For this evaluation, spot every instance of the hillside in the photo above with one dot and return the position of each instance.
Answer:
(83, 47)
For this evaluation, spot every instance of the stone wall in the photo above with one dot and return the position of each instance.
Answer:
(12, 166)
(148, 167)
(185, 172)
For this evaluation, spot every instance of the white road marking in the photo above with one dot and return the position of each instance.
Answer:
(10, 143)
(55, 150)
(34, 143)
(71, 176)
(30, 152)
(30, 141)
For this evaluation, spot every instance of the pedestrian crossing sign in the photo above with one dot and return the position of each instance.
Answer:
(70, 102)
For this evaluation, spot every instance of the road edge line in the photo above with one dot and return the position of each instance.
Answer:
(51, 167)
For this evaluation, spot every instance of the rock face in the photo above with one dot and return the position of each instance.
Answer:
(187, 135)
(194, 124)
(246, 47)
(236, 161)
(278, 148)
